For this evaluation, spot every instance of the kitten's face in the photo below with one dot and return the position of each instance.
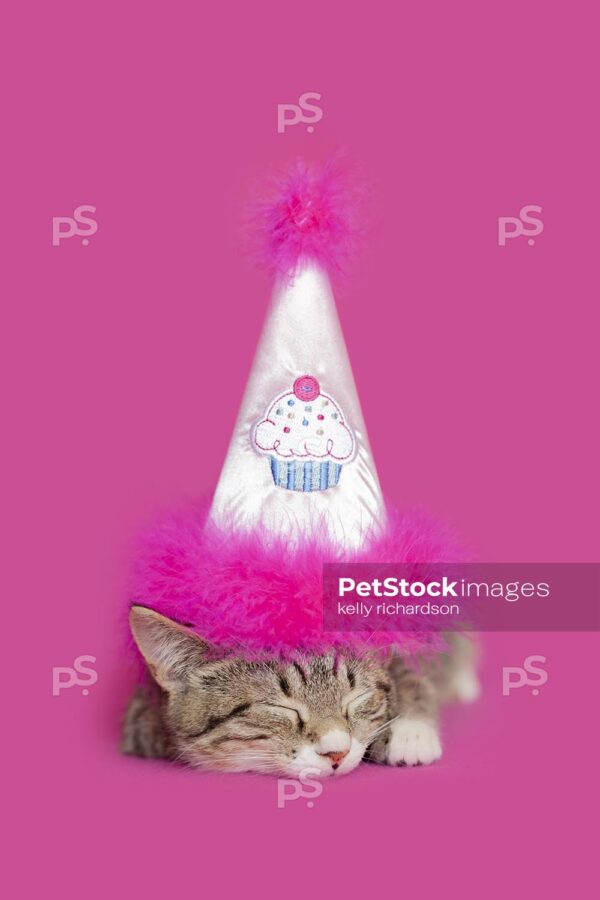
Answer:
(317, 714)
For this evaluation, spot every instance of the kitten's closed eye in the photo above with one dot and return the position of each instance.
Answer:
(299, 718)
(215, 721)
(353, 702)
(241, 737)
(370, 703)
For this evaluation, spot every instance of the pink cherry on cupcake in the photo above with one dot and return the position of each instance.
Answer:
(306, 387)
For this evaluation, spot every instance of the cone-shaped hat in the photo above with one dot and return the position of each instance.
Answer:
(299, 452)
(299, 486)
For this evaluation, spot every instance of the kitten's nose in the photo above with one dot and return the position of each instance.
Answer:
(336, 756)
(334, 744)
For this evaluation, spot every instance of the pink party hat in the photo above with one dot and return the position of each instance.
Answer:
(299, 485)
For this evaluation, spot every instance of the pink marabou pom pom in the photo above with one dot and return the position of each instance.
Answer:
(313, 216)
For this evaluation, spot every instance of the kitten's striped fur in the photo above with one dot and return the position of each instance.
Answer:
(319, 713)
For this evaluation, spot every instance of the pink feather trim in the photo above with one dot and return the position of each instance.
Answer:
(243, 596)
(313, 215)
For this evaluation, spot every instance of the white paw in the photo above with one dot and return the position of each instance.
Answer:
(466, 686)
(413, 741)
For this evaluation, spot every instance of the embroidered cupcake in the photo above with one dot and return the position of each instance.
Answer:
(305, 437)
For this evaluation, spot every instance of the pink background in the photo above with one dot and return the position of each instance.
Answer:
(118, 354)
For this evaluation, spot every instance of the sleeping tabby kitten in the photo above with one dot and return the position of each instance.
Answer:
(323, 713)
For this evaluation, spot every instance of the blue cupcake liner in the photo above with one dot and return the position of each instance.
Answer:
(305, 476)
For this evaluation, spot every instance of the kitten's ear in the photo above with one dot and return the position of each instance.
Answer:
(170, 650)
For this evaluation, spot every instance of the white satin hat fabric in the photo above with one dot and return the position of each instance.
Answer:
(302, 336)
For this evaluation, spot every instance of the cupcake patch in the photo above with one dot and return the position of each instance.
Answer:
(305, 436)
